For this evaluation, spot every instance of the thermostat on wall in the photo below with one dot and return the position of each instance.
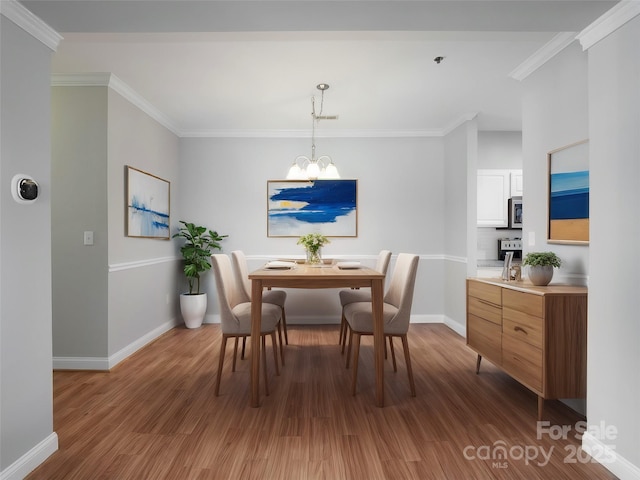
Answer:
(24, 188)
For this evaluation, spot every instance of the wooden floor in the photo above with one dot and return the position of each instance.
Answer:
(154, 416)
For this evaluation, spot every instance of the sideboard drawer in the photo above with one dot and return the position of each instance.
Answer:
(490, 293)
(522, 326)
(523, 302)
(486, 310)
(485, 337)
(522, 361)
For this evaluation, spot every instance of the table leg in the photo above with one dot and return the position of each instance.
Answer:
(256, 320)
(378, 338)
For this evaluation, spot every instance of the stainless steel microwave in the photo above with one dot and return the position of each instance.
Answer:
(515, 212)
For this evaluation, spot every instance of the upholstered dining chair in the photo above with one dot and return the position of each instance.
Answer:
(396, 315)
(235, 317)
(274, 297)
(352, 295)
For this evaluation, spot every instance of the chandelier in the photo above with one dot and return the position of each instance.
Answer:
(305, 168)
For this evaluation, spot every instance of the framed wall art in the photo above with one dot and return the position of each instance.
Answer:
(147, 205)
(569, 194)
(298, 207)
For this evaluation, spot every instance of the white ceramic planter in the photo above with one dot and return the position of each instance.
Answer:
(193, 308)
(541, 275)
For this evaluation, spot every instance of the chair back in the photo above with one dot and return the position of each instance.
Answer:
(400, 292)
(241, 273)
(383, 261)
(228, 293)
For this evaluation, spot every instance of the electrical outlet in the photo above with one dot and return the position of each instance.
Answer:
(88, 238)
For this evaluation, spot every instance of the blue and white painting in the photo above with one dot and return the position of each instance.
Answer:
(147, 205)
(298, 207)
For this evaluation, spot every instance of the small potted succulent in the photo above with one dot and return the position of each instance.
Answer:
(196, 251)
(541, 266)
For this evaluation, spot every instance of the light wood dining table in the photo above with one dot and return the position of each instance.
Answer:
(311, 276)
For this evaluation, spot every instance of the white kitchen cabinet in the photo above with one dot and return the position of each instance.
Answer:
(516, 183)
(495, 187)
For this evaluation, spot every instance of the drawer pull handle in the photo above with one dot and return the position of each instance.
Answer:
(520, 329)
(488, 303)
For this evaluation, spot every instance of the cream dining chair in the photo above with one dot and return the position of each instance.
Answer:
(235, 317)
(274, 297)
(396, 315)
(352, 295)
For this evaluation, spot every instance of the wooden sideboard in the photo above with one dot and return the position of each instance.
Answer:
(538, 335)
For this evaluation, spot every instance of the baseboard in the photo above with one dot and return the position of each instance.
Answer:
(32, 459)
(456, 326)
(107, 363)
(609, 458)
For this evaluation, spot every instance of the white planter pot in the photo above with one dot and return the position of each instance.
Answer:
(193, 308)
(541, 275)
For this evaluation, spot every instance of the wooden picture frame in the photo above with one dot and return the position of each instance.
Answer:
(298, 207)
(568, 204)
(148, 204)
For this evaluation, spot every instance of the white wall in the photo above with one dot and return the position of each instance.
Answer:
(223, 185)
(502, 150)
(459, 226)
(555, 113)
(144, 273)
(26, 396)
(114, 296)
(614, 296)
(79, 193)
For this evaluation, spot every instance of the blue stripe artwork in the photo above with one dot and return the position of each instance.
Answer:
(569, 195)
(147, 205)
(299, 207)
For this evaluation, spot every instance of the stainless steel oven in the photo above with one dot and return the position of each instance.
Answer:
(515, 212)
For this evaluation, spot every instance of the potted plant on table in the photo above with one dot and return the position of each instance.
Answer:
(541, 266)
(313, 243)
(196, 251)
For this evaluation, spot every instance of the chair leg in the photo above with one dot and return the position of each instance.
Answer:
(342, 336)
(244, 344)
(356, 354)
(274, 347)
(264, 363)
(345, 332)
(284, 326)
(281, 344)
(223, 347)
(393, 354)
(407, 360)
(235, 353)
(349, 347)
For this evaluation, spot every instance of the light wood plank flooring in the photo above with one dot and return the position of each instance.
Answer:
(154, 416)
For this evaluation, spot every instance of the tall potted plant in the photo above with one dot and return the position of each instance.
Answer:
(196, 251)
(541, 266)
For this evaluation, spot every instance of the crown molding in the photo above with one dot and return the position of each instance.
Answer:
(608, 23)
(466, 117)
(255, 133)
(549, 50)
(22, 17)
(112, 81)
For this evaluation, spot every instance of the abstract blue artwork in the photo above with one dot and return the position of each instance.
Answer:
(298, 207)
(147, 205)
(569, 194)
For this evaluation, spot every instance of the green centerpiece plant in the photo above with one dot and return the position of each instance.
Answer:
(313, 243)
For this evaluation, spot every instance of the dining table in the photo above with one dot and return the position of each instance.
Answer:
(301, 275)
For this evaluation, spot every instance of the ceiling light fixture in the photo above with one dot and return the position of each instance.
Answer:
(305, 168)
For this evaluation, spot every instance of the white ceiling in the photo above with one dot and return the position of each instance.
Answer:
(226, 67)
